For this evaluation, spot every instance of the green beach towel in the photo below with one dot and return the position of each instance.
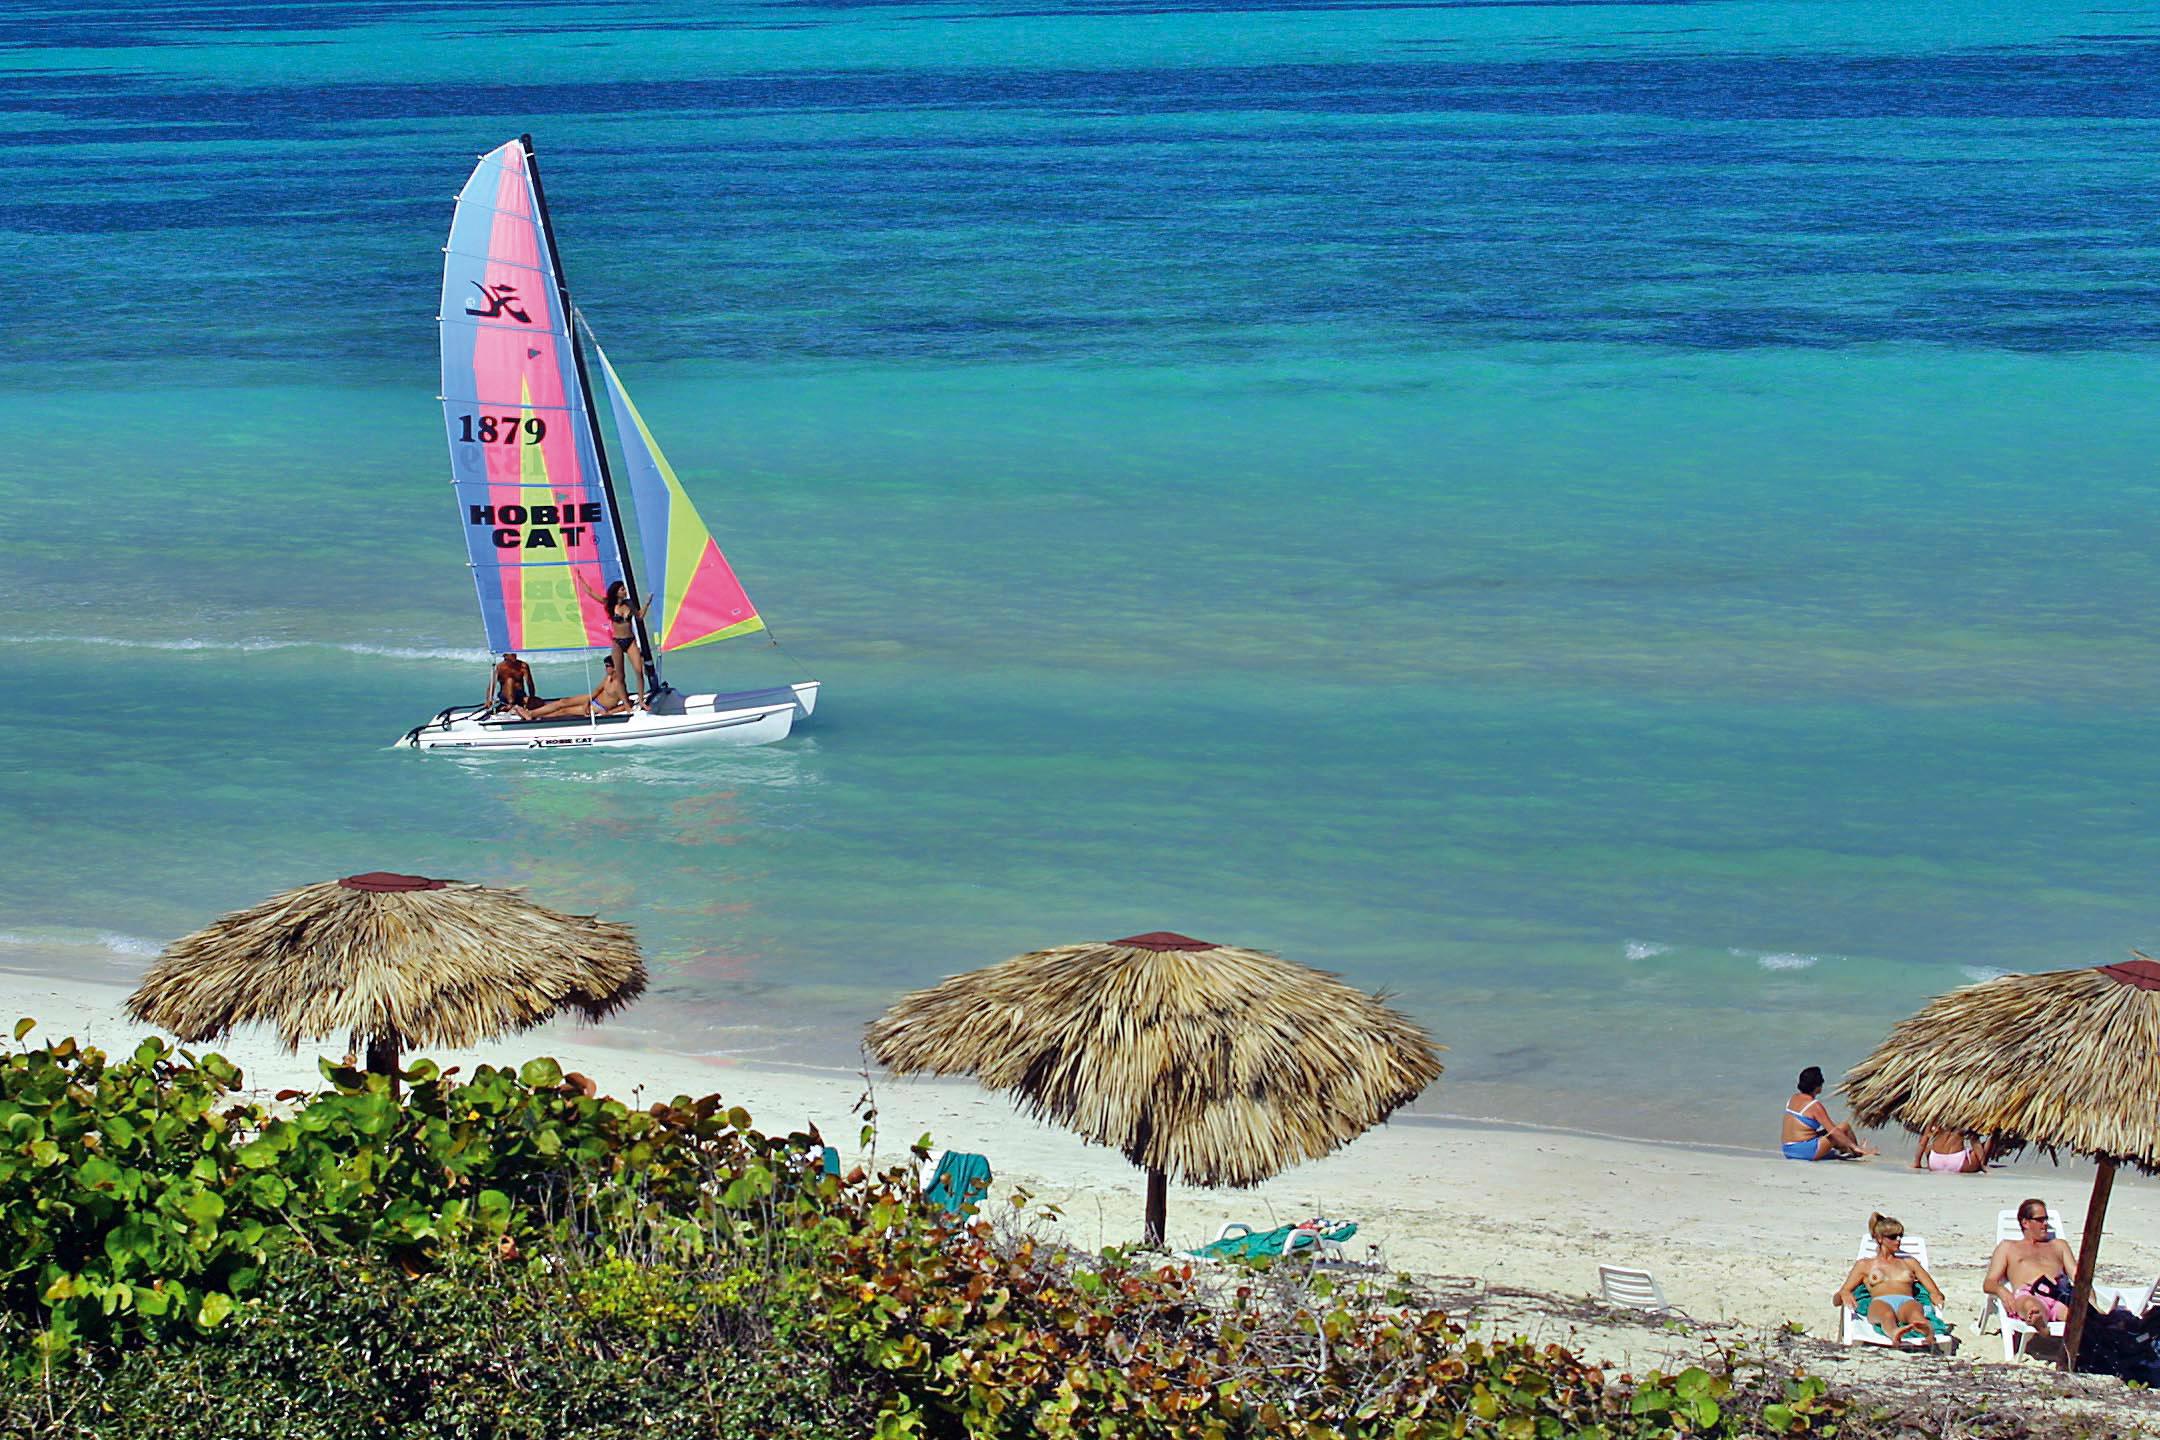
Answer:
(961, 1180)
(1862, 1299)
(1268, 1244)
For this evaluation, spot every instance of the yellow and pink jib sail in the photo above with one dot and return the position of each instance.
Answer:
(533, 491)
(696, 597)
(539, 528)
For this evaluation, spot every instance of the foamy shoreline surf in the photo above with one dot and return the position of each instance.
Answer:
(1733, 1236)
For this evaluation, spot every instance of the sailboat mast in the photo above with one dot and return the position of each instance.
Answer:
(592, 420)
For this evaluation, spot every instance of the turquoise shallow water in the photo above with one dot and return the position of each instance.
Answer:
(1627, 526)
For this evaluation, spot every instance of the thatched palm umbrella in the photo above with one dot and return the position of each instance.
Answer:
(389, 961)
(1213, 1064)
(2067, 1060)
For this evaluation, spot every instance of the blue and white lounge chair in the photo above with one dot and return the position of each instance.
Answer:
(1239, 1242)
(1854, 1328)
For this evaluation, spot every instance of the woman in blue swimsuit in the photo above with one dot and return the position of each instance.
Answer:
(1810, 1133)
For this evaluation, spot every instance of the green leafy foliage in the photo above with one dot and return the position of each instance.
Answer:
(143, 1196)
(988, 1340)
(1690, 1403)
(116, 1211)
(335, 1347)
(1807, 1408)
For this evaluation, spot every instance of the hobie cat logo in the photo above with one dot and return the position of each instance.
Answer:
(501, 300)
(562, 526)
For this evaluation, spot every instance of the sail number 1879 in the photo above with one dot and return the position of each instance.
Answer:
(502, 429)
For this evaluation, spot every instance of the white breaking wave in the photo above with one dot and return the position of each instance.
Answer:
(112, 940)
(432, 652)
(1646, 949)
(1977, 973)
(1775, 959)
(1786, 961)
(120, 643)
(459, 654)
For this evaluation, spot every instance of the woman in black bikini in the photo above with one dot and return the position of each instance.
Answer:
(622, 624)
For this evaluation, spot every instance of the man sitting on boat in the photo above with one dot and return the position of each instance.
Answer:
(511, 687)
(609, 699)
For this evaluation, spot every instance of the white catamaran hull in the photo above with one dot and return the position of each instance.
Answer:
(751, 717)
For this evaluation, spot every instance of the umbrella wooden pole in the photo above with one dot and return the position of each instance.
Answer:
(2088, 1254)
(382, 1058)
(1158, 1205)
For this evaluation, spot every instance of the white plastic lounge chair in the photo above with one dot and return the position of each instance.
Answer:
(2137, 1299)
(2016, 1332)
(2006, 1223)
(1855, 1328)
(1627, 1289)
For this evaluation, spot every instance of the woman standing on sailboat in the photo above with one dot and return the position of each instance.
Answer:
(622, 622)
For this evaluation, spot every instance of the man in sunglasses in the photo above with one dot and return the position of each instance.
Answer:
(2017, 1265)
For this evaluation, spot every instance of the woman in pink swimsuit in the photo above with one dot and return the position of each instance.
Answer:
(1952, 1152)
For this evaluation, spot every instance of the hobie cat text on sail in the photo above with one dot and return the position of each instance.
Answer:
(537, 527)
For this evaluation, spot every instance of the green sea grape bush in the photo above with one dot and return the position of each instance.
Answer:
(990, 1340)
(989, 1329)
(117, 1206)
(142, 1196)
(343, 1345)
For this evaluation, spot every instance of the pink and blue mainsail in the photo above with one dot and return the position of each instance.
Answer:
(538, 527)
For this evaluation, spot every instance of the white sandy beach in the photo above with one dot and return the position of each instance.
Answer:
(1744, 1238)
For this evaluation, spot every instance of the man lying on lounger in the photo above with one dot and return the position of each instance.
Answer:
(2017, 1265)
(609, 699)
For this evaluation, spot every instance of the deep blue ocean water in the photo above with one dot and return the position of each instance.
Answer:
(1630, 526)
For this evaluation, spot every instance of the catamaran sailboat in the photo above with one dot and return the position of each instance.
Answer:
(536, 499)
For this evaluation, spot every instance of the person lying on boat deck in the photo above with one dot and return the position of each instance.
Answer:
(2018, 1264)
(609, 699)
(510, 687)
(1952, 1152)
(1809, 1132)
(1893, 1305)
(622, 628)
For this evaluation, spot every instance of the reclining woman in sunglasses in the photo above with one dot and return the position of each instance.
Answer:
(1893, 1302)
(1810, 1133)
